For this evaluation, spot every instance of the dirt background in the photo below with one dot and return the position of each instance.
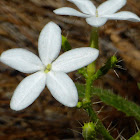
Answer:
(20, 24)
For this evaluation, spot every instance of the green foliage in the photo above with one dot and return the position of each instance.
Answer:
(65, 44)
(136, 136)
(110, 64)
(121, 104)
(83, 71)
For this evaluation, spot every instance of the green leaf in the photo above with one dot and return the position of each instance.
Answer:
(118, 102)
(136, 136)
(65, 44)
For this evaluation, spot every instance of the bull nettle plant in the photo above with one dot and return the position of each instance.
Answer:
(51, 71)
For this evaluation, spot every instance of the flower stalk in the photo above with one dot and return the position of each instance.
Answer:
(91, 68)
(86, 103)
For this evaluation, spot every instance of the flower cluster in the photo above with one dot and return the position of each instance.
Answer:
(48, 70)
(98, 16)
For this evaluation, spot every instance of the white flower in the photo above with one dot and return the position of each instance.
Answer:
(98, 16)
(48, 70)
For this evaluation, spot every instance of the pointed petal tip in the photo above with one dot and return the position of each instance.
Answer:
(62, 88)
(27, 91)
(72, 104)
(51, 23)
(75, 59)
(56, 11)
(124, 15)
(70, 12)
(15, 107)
(69, 103)
(95, 52)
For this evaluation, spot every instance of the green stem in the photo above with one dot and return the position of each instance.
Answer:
(94, 38)
(91, 68)
(88, 88)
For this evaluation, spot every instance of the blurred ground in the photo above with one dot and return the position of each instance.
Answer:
(20, 24)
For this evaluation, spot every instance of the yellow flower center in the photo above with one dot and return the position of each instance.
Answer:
(48, 68)
(96, 13)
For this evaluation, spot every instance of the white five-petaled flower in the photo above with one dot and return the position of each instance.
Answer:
(48, 70)
(98, 16)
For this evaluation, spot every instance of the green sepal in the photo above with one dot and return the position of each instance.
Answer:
(65, 44)
(89, 131)
(83, 71)
(110, 64)
(79, 105)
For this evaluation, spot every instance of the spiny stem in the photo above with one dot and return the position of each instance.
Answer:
(91, 68)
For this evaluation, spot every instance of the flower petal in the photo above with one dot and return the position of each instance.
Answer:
(62, 88)
(125, 15)
(75, 59)
(96, 21)
(110, 7)
(86, 6)
(28, 90)
(70, 12)
(49, 42)
(21, 60)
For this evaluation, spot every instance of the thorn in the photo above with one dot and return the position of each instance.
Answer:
(105, 118)
(115, 53)
(67, 34)
(120, 61)
(75, 131)
(116, 74)
(97, 102)
(119, 134)
(78, 77)
(122, 138)
(136, 125)
(80, 123)
(97, 122)
(120, 67)
(112, 128)
(109, 125)
(98, 112)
